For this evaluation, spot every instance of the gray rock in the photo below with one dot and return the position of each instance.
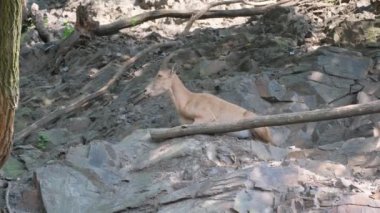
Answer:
(330, 80)
(198, 206)
(328, 132)
(328, 93)
(248, 200)
(210, 67)
(31, 158)
(361, 146)
(78, 124)
(242, 62)
(363, 98)
(368, 160)
(267, 153)
(268, 178)
(242, 91)
(100, 159)
(325, 168)
(350, 67)
(13, 168)
(63, 189)
(345, 100)
(270, 90)
(55, 137)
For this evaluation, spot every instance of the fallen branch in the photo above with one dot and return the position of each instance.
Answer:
(126, 22)
(204, 10)
(85, 98)
(269, 120)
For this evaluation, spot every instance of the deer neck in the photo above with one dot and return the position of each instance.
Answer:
(179, 93)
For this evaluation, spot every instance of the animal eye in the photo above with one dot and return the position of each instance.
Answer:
(159, 76)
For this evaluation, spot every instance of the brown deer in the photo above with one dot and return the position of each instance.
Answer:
(195, 108)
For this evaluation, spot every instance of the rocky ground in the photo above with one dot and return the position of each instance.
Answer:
(100, 158)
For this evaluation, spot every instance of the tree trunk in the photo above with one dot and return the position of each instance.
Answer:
(10, 32)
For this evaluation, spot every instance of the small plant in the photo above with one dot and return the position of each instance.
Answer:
(134, 21)
(42, 142)
(46, 21)
(67, 30)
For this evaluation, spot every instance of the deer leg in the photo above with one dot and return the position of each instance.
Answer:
(261, 133)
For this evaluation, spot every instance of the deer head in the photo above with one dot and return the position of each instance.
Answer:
(161, 83)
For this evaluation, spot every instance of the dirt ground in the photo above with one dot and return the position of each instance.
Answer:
(100, 158)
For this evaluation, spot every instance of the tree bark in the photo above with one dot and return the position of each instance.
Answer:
(10, 32)
(269, 120)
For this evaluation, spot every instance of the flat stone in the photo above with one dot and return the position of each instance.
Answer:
(345, 66)
(266, 152)
(64, 189)
(31, 158)
(56, 136)
(328, 93)
(328, 132)
(210, 67)
(275, 178)
(78, 124)
(325, 168)
(260, 201)
(329, 80)
(345, 100)
(270, 90)
(242, 90)
(102, 154)
(100, 159)
(360, 145)
(13, 168)
(368, 160)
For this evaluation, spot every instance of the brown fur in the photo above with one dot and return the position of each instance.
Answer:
(195, 108)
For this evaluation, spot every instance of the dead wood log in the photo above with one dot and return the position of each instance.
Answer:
(268, 120)
(84, 27)
(126, 22)
(85, 98)
(204, 10)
